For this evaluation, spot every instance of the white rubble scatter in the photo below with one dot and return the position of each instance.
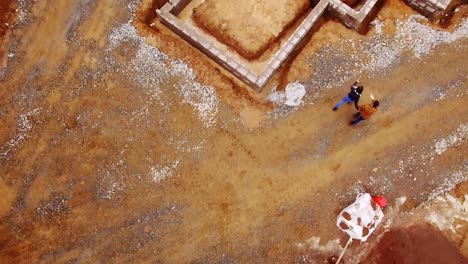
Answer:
(201, 97)
(381, 183)
(151, 67)
(421, 38)
(384, 181)
(186, 147)
(159, 172)
(453, 139)
(441, 96)
(11, 55)
(294, 94)
(121, 33)
(393, 212)
(378, 54)
(132, 7)
(23, 11)
(111, 179)
(449, 211)
(23, 127)
(355, 189)
(332, 246)
(441, 146)
(378, 25)
(382, 55)
(449, 183)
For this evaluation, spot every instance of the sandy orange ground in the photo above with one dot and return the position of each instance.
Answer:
(107, 153)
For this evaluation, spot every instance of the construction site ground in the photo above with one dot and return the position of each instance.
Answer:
(121, 143)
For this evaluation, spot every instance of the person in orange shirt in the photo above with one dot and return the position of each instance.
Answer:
(365, 111)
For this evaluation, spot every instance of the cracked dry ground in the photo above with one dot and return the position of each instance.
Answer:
(102, 160)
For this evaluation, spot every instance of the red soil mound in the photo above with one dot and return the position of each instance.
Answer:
(415, 244)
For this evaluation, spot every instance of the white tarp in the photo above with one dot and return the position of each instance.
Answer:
(361, 218)
(294, 93)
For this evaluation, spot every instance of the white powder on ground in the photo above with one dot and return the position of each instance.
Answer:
(276, 97)
(450, 212)
(411, 35)
(201, 97)
(23, 127)
(454, 139)
(158, 172)
(331, 247)
(378, 26)
(150, 68)
(449, 183)
(154, 72)
(111, 179)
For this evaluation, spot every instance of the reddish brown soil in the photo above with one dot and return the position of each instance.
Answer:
(415, 244)
(74, 149)
(7, 9)
(7, 14)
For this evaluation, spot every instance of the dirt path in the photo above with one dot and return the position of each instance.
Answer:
(111, 151)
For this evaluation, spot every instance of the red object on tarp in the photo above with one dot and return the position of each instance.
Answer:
(380, 200)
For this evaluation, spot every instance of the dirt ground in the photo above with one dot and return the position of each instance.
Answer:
(121, 143)
(7, 19)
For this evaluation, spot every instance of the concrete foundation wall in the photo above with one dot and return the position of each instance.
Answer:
(355, 19)
(432, 9)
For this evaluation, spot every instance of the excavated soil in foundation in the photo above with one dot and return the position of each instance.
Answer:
(249, 27)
